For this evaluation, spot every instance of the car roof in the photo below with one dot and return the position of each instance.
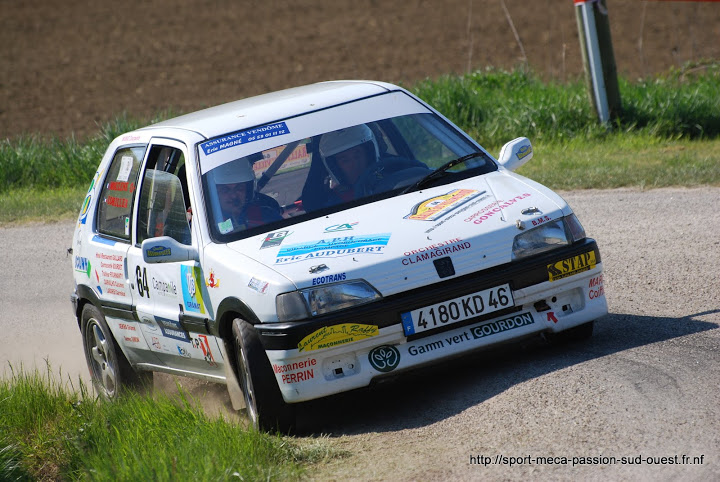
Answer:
(262, 109)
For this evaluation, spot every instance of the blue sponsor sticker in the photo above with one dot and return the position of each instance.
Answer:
(156, 251)
(83, 265)
(172, 329)
(191, 278)
(333, 248)
(244, 137)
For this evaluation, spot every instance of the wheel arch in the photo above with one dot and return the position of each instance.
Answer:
(85, 295)
(228, 310)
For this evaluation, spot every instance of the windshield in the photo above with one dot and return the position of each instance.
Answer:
(320, 168)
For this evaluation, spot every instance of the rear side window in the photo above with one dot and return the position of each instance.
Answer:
(118, 193)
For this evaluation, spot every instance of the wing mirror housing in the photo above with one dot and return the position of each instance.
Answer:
(165, 249)
(515, 153)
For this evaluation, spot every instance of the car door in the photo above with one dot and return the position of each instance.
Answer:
(107, 249)
(170, 295)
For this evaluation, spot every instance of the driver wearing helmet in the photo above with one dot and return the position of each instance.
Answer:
(347, 154)
(241, 207)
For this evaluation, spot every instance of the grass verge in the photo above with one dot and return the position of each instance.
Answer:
(51, 432)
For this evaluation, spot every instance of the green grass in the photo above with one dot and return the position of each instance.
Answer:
(54, 431)
(667, 135)
(625, 160)
(42, 205)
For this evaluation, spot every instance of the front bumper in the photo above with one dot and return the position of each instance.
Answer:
(540, 305)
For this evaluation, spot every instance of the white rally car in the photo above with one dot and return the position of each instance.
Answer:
(307, 242)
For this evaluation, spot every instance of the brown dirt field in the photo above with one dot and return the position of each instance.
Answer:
(68, 66)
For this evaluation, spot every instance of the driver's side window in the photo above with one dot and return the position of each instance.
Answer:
(164, 201)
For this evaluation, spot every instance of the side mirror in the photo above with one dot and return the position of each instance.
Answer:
(515, 153)
(165, 249)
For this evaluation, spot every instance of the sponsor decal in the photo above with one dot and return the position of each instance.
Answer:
(571, 266)
(117, 202)
(122, 186)
(244, 137)
(456, 212)
(340, 227)
(212, 281)
(82, 265)
(331, 278)
(131, 339)
(112, 273)
(434, 251)
(524, 151)
(130, 138)
(274, 239)
(147, 325)
(202, 342)
(415, 350)
(164, 288)
(596, 287)
(436, 207)
(157, 251)
(126, 327)
(183, 351)
(551, 317)
(155, 341)
(474, 333)
(258, 285)
(495, 327)
(333, 248)
(335, 335)
(172, 329)
(493, 208)
(541, 220)
(192, 292)
(88, 197)
(295, 372)
(384, 358)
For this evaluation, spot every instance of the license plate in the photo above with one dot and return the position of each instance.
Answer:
(457, 309)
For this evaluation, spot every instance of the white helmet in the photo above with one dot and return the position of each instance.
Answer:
(341, 140)
(239, 171)
(233, 172)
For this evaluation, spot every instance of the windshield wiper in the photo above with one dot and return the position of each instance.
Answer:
(440, 171)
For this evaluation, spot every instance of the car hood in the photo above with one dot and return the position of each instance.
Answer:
(394, 244)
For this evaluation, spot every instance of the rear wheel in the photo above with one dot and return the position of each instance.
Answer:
(265, 406)
(110, 371)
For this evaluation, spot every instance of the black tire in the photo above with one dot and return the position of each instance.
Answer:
(572, 335)
(264, 403)
(110, 371)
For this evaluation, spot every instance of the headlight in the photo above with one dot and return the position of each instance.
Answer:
(318, 300)
(548, 236)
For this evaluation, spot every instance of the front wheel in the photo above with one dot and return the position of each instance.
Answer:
(110, 371)
(265, 406)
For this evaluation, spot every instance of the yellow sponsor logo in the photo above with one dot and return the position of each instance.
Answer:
(438, 206)
(570, 266)
(335, 335)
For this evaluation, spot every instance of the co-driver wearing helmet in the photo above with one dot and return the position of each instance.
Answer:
(240, 206)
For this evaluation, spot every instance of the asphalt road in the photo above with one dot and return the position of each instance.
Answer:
(646, 387)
